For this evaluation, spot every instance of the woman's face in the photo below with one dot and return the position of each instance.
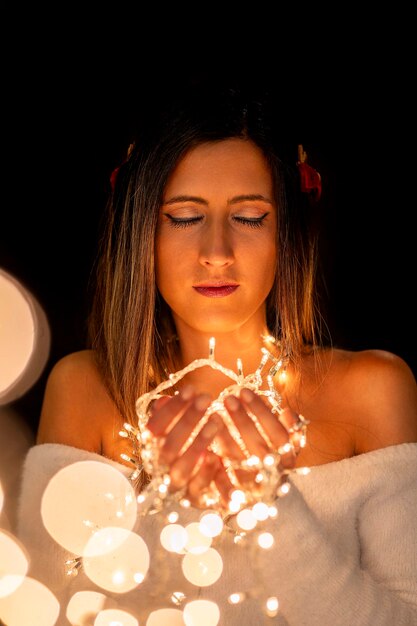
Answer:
(215, 244)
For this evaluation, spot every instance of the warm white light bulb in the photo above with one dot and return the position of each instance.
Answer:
(266, 540)
(272, 606)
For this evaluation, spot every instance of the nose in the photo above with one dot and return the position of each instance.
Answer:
(216, 247)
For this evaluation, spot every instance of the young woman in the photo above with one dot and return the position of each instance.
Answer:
(209, 234)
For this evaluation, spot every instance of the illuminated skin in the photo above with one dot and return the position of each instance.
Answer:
(350, 398)
(215, 261)
(215, 247)
(215, 273)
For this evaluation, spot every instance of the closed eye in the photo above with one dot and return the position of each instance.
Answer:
(183, 222)
(254, 222)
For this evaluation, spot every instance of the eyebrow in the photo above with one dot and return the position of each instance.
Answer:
(235, 200)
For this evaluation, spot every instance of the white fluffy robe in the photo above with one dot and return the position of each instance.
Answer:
(345, 549)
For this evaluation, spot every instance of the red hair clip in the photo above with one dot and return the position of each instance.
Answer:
(114, 173)
(310, 178)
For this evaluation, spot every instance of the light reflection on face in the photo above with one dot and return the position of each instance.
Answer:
(216, 238)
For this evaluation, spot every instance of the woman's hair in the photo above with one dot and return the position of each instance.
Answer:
(130, 326)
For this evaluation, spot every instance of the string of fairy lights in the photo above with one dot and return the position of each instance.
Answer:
(249, 506)
(101, 520)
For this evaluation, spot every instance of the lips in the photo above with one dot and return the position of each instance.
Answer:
(216, 290)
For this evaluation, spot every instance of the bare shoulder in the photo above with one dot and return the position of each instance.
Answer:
(374, 392)
(76, 407)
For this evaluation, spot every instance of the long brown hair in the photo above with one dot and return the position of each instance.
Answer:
(130, 326)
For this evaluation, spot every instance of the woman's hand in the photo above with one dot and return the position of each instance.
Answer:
(194, 466)
(261, 431)
(173, 421)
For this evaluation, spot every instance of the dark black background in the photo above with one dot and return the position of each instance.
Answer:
(70, 101)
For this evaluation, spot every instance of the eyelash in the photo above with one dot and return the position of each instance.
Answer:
(253, 222)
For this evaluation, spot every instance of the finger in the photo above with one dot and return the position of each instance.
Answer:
(155, 405)
(185, 467)
(276, 432)
(166, 412)
(203, 477)
(183, 429)
(252, 439)
(223, 484)
(288, 417)
(226, 446)
(245, 477)
(296, 425)
(211, 473)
